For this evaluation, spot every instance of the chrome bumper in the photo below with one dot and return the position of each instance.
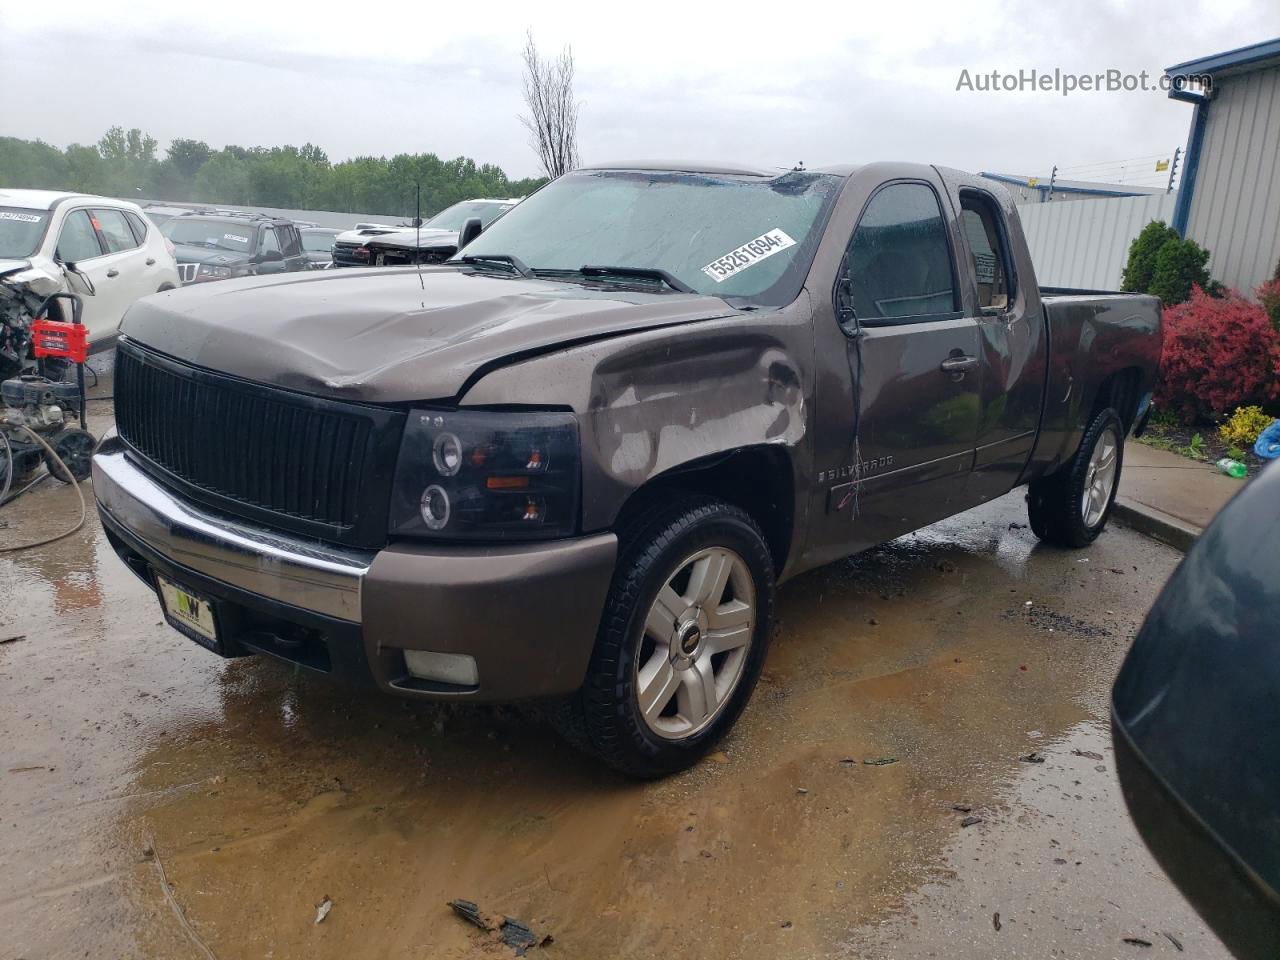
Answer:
(303, 573)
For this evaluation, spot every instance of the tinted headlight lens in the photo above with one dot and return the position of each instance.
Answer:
(484, 475)
(446, 454)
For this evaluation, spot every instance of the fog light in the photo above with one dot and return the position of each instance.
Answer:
(455, 668)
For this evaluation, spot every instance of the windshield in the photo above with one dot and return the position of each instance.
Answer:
(20, 231)
(452, 218)
(317, 242)
(219, 234)
(729, 236)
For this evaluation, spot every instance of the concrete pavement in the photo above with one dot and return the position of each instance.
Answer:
(1170, 497)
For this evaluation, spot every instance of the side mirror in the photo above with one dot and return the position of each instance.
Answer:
(1195, 713)
(844, 302)
(79, 282)
(470, 230)
(271, 256)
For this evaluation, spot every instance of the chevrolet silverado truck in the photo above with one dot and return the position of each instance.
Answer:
(574, 463)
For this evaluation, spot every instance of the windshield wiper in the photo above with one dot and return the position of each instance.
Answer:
(638, 273)
(515, 263)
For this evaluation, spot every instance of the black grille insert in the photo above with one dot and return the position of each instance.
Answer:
(315, 466)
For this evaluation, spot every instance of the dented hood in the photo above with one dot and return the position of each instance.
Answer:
(386, 335)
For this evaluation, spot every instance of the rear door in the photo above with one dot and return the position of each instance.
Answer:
(1013, 344)
(135, 276)
(914, 366)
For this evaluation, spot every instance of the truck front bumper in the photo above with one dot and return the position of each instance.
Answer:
(526, 613)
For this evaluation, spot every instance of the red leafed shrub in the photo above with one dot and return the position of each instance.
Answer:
(1219, 354)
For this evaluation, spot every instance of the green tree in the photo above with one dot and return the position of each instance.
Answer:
(124, 163)
(188, 156)
(1142, 256)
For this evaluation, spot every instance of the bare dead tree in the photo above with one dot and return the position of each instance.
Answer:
(552, 120)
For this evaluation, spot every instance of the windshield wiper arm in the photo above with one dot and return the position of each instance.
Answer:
(639, 273)
(515, 263)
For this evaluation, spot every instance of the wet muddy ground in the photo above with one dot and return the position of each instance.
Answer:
(260, 791)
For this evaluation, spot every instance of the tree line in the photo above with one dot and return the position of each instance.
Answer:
(127, 164)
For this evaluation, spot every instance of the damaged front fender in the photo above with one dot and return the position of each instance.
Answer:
(654, 403)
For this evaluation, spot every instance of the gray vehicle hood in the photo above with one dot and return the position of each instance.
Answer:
(384, 335)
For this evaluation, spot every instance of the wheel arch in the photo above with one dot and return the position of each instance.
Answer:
(758, 479)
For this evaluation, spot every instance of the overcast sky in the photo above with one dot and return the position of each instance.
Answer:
(769, 83)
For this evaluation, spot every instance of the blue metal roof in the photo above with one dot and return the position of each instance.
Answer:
(1230, 60)
(1101, 190)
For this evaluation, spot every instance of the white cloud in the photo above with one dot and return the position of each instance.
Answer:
(767, 83)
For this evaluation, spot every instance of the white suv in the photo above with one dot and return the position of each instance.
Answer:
(110, 242)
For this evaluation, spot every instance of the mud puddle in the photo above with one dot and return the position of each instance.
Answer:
(263, 790)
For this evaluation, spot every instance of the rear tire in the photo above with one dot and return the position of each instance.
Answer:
(1071, 506)
(683, 637)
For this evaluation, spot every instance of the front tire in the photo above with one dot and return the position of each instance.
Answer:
(1071, 506)
(682, 640)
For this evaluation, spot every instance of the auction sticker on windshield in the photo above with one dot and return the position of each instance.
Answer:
(20, 217)
(748, 255)
(236, 237)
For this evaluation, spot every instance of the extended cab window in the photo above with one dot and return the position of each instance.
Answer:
(984, 230)
(78, 239)
(898, 265)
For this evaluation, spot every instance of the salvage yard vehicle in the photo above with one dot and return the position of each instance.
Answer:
(435, 241)
(574, 463)
(317, 246)
(225, 245)
(104, 250)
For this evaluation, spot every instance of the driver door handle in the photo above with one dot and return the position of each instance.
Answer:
(113, 272)
(958, 364)
(151, 261)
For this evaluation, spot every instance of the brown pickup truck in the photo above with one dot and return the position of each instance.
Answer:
(574, 463)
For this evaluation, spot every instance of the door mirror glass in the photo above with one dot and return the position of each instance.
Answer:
(270, 256)
(470, 230)
(1195, 713)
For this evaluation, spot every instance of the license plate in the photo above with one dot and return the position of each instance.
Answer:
(190, 613)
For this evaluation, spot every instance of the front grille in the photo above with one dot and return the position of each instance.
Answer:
(315, 466)
(187, 272)
(344, 254)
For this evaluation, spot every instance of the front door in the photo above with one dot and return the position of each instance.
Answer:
(914, 370)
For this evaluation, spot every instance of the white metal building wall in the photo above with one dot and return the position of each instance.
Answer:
(1086, 243)
(1235, 211)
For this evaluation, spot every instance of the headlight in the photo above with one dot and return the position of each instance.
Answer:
(209, 271)
(481, 475)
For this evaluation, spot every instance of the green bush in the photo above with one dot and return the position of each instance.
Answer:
(1181, 264)
(1165, 265)
(1142, 256)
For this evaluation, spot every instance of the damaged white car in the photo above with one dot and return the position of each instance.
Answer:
(102, 249)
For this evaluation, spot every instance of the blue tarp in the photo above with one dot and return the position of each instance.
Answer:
(1267, 446)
